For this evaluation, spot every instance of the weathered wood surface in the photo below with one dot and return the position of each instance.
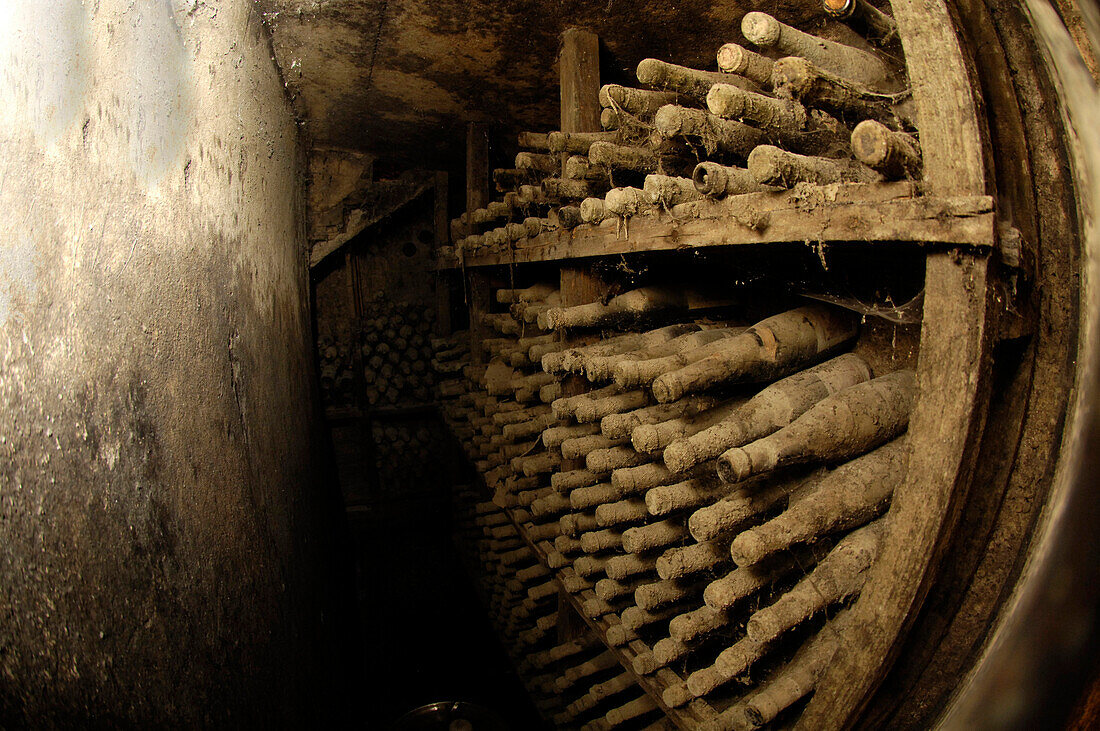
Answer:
(580, 81)
(441, 237)
(877, 213)
(477, 195)
(579, 69)
(383, 199)
(952, 377)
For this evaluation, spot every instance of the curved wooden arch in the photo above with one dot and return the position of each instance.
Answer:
(952, 375)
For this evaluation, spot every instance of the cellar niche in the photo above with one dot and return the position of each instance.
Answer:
(464, 365)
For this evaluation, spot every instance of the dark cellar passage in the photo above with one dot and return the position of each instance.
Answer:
(603, 365)
(432, 641)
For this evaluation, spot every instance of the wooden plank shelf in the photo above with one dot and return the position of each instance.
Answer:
(840, 213)
(687, 717)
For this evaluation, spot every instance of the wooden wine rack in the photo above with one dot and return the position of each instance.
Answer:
(882, 213)
(947, 212)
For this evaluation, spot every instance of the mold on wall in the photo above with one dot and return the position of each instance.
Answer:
(162, 535)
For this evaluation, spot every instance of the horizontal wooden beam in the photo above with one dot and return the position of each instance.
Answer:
(876, 213)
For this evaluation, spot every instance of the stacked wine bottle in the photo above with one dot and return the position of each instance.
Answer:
(712, 501)
(799, 110)
(337, 371)
(396, 354)
(575, 683)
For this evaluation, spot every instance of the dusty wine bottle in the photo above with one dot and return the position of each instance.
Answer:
(716, 133)
(677, 563)
(564, 190)
(874, 22)
(577, 523)
(691, 626)
(533, 140)
(634, 303)
(578, 143)
(623, 567)
(576, 359)
(623, 157)
(627, 201)
(743, 504)
(593, 210)
(747, 581)
(555, 436)
(601, 541)
(685, 349)
(668, 191)
(636, 480)
(718, 181)
(592, 410)
(730, 663)
(622, 512)
(773, 408)
(895, 155)
(637, 102)
(657, 594)
(838, 576)
(736, 59)
(845, 61)
(690, 82)
(566, 482)
(546, 164)
(849, 496)
(601, 368)
(621, 425)
(770, 165)
(651, 438)
(689, 494)
(788, 684)
(580, 447)
(773, 347)
(584, 498)
(797, 78)
(851, 422)
(566, 407)
(605, 461)
(786, 120)
(610, 590)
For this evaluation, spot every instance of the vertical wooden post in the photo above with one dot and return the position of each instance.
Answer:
(477, 196)
(477, 167)
(579, 68)
(442, 235)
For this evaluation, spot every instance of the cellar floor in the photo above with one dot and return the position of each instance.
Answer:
(426, 638)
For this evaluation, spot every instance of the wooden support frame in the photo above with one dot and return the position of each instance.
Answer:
(882, 213)
(950, 207)
(477, 196)
(952, 377)
(441, 235)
